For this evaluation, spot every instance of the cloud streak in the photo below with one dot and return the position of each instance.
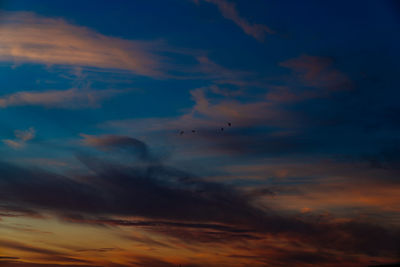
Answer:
(66, 99)
(229, 11)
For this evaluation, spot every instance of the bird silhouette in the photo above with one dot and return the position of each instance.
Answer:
(194, 131)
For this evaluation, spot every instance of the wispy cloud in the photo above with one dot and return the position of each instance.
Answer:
(311, 77)
(21, 137)
(229, 11)
(30, 38)
(71, 99)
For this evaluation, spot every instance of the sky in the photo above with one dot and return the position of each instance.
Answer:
(199, 133)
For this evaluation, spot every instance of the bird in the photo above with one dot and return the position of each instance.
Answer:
(222, 129)
(229, 124)
(193, 131)
(181, 132)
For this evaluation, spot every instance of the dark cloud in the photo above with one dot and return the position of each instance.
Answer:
(36, 189)
(178, 204)
(152, 191)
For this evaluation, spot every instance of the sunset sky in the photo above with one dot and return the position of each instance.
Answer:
(199, 133)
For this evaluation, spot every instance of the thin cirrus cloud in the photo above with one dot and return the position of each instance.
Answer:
(229, 11)
(69, 99)
(21, 137)
(25, 39)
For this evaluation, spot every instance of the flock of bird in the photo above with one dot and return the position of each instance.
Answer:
(194, 131)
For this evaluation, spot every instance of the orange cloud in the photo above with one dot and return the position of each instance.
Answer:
(30, 38)
(71, 98)
(335, 186)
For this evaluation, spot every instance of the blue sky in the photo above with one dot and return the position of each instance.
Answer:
(188, 124)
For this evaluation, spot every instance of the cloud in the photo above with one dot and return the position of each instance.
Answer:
(274, 108)
(13, 144)
(169, 193)
(317, 72)
(347, 190)
(140, 260)
(50, 254)
(113, 142)
(30, 38)
(282, 125)
(67, 99)
(240, 112)
(16, 263)
(8, 258)
(229, 11)
(21, 137)
(313, 77)
(171, 202)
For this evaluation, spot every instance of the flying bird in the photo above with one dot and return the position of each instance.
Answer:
(193, 131)
(222, 129)
(229, 124)
(181, 132)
